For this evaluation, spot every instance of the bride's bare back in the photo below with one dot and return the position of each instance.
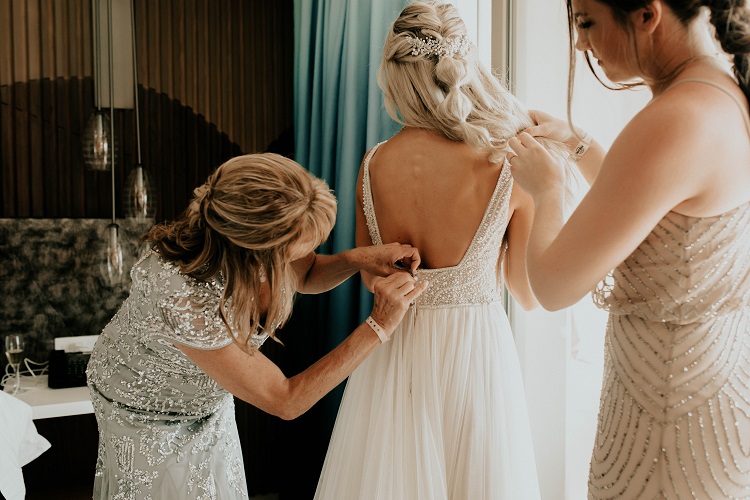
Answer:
(432, 193)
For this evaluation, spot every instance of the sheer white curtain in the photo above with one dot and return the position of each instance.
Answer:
(561, 352)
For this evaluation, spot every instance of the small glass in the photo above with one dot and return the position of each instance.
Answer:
(14, 344)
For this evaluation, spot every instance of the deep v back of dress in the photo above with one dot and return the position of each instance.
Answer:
(476, 279)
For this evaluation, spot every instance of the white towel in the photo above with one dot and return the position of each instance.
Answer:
(19, 444)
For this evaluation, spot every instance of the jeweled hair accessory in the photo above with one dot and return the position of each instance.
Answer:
(458, 45)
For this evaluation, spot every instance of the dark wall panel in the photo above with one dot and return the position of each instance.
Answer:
(215, 80)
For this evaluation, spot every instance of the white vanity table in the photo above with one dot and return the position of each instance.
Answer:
(69, 461)
(49, 403)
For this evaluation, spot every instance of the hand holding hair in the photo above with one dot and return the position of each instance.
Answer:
(549, 127)
(533, 167)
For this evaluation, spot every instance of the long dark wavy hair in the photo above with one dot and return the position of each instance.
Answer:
(730, 19)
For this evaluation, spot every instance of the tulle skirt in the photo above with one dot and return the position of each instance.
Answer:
(438, 412)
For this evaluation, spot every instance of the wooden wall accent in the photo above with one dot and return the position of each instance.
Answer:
(45, 78)
(44, 39)
(215, 80)
(224, 60)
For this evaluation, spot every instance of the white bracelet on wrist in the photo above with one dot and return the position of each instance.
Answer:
(582, 147)
(378, 329)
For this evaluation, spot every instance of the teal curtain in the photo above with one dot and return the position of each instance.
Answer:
(338, 115)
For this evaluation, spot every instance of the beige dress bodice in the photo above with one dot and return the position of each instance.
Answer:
(674, 420)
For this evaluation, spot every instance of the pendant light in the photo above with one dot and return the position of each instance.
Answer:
(140, 199)
(112, 262)
(96, 140)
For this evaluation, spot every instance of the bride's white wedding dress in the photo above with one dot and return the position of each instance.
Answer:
(439, 412)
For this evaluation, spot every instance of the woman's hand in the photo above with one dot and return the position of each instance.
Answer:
(392, 298)
(381, 260)
(552, 128)
(259, 381)
(549, 127)
(533, 167)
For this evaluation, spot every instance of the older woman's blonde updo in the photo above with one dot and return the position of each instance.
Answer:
(240, 224)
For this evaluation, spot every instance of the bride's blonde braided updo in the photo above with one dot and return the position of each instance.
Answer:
(432, 79)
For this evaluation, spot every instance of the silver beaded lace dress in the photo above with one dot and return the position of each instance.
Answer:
(674, 420)
(166, 429)
(439, 411)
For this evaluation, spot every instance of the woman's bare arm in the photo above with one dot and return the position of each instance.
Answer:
(651, 168)
(517, 236)
(320, 273)
(362, 234)
(255, 379)
(559, 130)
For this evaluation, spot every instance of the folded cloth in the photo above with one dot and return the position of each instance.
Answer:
(19, 444)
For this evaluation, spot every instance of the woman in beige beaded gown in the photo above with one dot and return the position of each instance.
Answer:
(669, 211)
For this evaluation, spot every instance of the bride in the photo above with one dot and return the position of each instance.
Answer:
(439, 412)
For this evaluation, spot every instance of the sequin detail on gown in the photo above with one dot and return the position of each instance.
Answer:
(439, 411)
(166, 429)
(674, 419)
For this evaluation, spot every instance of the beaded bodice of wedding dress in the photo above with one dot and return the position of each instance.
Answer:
(477, 278)
(674, 420)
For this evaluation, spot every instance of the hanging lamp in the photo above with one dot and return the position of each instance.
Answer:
(112, 262)
(96, 139)
(140, 199)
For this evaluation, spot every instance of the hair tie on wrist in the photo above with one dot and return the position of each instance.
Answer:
(581, 147)
(378, 329)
